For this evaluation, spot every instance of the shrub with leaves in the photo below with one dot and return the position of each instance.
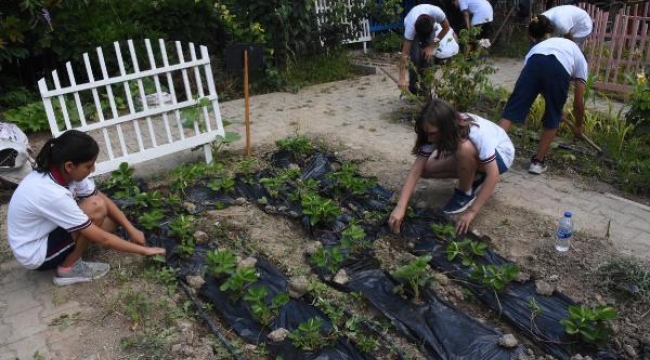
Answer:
(256, 296)
(238, 280)
(467, 251)
(590, 324)
(221, 262)
(319, 209)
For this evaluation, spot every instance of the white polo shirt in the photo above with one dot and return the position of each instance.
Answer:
(434, 12)
(37, 207)
(566, 52)
(570, 19)
(480, 10)
(448, 45)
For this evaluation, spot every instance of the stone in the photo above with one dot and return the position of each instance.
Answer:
(278, 335)
(195, 282)
(249, 262)
(341, 277)
(294, 167)
(554, 278)
(522, 277)
(544, 288)
(189, 207)
(270, 209)
(508, 341)
(441, 278)
(298, 286)
(312, 246)
(241, 201)
(201, 237)
(629, 350)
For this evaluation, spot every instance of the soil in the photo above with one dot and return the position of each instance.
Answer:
(115, 323)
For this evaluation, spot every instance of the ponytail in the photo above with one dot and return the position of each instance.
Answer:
(73, 145)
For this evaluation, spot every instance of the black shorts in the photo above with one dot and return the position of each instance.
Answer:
(59, 245)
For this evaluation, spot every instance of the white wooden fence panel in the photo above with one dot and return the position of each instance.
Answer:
(134, 94)
(322, 6)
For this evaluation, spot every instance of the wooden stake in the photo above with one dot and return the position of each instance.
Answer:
(248, 122)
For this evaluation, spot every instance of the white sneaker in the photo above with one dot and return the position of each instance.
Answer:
(537, 167)
(81, 271)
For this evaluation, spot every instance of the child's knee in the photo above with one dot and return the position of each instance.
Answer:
(95, 207)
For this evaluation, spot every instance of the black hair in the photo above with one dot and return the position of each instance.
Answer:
(73, 145)
(539, 26)
(442, 115)
(423, 27)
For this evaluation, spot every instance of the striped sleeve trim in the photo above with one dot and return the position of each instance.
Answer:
(79, 227)
(79, 198)
(490, 159)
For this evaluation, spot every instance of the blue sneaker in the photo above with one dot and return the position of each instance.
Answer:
(459, 202)
(479, 178)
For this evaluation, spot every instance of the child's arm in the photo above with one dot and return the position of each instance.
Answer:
(403, 63)
(115, 214)
(491, 180)
(397, 216)
(104, 238)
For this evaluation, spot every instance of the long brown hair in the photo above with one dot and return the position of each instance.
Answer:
(442, 115)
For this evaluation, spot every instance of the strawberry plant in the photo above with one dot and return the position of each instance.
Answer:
(308, 336)
(348, 180)
(238, 281)
(467, 250)
(319, 209)
(444, 231)
(256, 298)
(417, 274)
(494, 277)
(224, 183)
(354, 239)
(221, 262)
(329, 259)
(151, 219)
(300, 145)
(590, 324)
(183, 229)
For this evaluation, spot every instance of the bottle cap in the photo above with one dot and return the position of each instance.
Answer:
(568, 214)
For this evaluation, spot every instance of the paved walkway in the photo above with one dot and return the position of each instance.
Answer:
(26, 298)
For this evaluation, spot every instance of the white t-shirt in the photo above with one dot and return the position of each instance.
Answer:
(488, 138)
(448, 45)
(38, 206)
(566, 52)
(570, 19)
(480, 10)
(434, 12)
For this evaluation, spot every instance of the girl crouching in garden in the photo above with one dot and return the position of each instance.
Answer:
(56, 212)
(450, 144)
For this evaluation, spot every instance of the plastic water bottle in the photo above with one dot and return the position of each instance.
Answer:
(564, 233)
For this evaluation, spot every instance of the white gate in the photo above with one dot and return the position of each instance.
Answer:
(137, 112)
(363, 35)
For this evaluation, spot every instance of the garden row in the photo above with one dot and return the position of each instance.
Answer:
(346, 212)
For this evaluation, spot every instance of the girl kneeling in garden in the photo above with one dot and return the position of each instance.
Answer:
(56, 212)
(450, 144)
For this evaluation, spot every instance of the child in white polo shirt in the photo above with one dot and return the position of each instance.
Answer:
(56, 212)
(450, 144)
(570, 21)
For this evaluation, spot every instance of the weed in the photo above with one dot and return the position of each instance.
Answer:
(136, 306)
(590, 323)
(300, 145)
(416, 273)
(625, 276)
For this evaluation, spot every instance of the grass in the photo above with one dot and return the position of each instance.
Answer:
(625, 276)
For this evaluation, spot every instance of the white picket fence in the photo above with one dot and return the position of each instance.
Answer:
(137, 112)
(323, 6)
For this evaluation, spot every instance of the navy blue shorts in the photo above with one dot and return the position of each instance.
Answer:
(501, 164)
(543, 74)
(59, 245)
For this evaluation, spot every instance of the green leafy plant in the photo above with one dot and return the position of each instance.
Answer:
(494, 277)
(444, 231)
(416, 274)
(467, 250)
(299, 144)
(221, 262)
(329, 259)
(347, 180)
(151, 220)
(590, 324)
(256, 298)
(121, 180)
(319, 209)
(225, 183)
(152, 199)
(237, 282)
(309, 335)
(183, 229)
(354, 239)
